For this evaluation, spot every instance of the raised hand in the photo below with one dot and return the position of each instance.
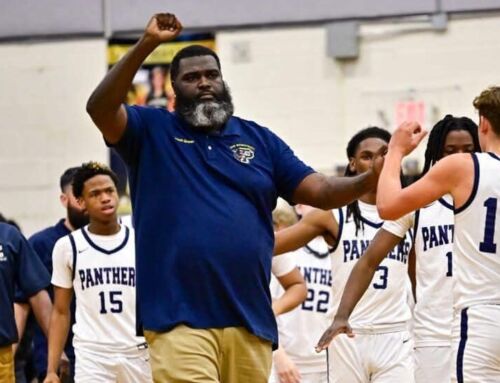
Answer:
(163, 27)
(339, 326)
(407, 137)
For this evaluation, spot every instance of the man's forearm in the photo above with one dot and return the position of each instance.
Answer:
(358, 282)
(21, 312)
(389, 184)
(58, 332)
(42, 307)
(341, 191)
(112, 90)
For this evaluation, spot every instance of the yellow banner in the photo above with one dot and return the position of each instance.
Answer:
(163, 54)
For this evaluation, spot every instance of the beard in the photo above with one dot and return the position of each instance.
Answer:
(206, 116)
(77, 218)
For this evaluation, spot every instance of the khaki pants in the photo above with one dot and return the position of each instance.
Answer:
(6, 365)
(227, 355)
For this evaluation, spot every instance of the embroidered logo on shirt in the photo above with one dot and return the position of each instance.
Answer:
(3, 257)
(243, 152)
(184, 140)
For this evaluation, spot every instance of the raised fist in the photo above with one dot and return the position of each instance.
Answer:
(163, 27)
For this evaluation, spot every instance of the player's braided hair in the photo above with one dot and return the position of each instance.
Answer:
(352, 146)
(437, 138)
(87, 171)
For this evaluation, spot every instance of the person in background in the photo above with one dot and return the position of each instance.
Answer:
(296, 360)
(20, 271)
(43, 242)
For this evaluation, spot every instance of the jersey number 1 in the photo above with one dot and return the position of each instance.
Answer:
(487, 245)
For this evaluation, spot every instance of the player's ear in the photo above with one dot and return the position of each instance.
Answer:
(81, 203)
(352, 165)
(484, 125)
(63, 198)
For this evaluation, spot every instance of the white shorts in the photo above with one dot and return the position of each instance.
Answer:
(382, 358)
(92, 368)
(476, 345)
(433, 364)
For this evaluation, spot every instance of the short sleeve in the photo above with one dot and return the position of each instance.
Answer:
(283, 264)
(31, 274)
(129, 145)
(62, 261)
(401, 226)
(289, 170)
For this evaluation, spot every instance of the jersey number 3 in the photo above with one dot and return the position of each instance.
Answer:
(382, 282)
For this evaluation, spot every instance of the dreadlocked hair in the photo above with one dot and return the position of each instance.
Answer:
(370, 132)
(87, 171)
(437, 138)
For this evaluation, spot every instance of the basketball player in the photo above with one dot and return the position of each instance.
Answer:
(473, 182)
(434, 228)
(382, 351)
(97, 263)
(285, 276)
(295, 359)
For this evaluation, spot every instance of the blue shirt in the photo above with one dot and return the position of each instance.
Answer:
(19, 266)
(202, 211)
(43, 242)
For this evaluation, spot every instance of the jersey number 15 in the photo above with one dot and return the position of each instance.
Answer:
(115, 304)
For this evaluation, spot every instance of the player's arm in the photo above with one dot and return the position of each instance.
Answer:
(58, 331)
(412, 272)
(105, 104)
(358, 282)
(315, 223)
(21, 312)
(295, 292)
(393, 201)
(42, 308)
(327, 193)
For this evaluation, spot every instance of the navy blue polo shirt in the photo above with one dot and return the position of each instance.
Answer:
(43, 242)
(202, 212)
(19, 265)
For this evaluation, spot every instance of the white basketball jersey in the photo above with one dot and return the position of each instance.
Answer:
(433, 312)
(104, 285)
(384, 305)
(301, 328)
(477, 238)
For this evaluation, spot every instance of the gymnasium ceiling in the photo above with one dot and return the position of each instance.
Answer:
(39, 19)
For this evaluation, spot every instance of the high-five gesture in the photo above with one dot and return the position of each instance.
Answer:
(163, 27)
(407, 137)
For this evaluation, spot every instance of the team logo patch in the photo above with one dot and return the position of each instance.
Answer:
(243, 152)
